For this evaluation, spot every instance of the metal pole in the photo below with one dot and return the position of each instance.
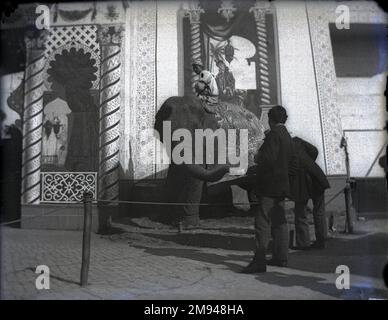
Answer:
(88, 196)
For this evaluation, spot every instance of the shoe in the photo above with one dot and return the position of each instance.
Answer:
(318, 245)
(277, 263)
(253, 267)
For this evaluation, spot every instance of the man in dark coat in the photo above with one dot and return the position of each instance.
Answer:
(274, 167)
(310, 182)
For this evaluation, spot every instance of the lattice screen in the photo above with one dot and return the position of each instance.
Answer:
(81, 36)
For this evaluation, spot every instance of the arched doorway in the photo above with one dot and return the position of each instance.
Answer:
(70, 123)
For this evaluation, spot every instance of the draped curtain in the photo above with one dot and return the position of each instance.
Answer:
(222, 31)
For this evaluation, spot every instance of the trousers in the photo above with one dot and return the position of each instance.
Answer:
(270, 220)
(301, 221)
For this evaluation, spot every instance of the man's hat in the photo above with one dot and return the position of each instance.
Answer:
(278, 114)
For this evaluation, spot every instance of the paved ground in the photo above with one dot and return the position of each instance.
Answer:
(147, 260)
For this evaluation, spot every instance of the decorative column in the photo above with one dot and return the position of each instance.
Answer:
(194, 13)
(259, 10)
(33, 117)
(109, 38)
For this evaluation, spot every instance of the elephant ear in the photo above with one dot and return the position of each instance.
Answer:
(184, 113)
(163, 114)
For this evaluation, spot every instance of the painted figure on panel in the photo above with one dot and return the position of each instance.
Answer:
(225, 80)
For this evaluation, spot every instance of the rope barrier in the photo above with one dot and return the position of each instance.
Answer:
(176, 203)
(197, 203)
(219, 204)
(28, 218)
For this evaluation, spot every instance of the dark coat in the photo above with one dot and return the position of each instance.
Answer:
(309, 180)
(274, 163)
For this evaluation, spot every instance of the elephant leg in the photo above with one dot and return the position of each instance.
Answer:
(191, 196)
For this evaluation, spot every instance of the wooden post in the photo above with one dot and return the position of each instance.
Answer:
(88, 196)
(350, 215)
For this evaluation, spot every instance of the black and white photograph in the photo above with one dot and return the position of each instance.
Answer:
(193, 150)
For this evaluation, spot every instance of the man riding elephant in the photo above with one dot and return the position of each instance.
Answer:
(185, 181)
(206, 86)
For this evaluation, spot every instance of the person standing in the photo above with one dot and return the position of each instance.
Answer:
(309, 183)
(272, 185)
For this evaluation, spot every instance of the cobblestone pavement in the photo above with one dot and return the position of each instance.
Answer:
(147, 260)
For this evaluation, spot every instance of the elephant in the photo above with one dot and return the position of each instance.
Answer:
(185, 181)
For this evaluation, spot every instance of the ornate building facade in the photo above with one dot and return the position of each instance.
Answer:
(121, 60)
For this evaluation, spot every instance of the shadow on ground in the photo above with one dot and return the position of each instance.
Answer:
(357, 291)
(317, 284)
(208, 240)
(365, 255)
(53, 276)
(199, 255)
